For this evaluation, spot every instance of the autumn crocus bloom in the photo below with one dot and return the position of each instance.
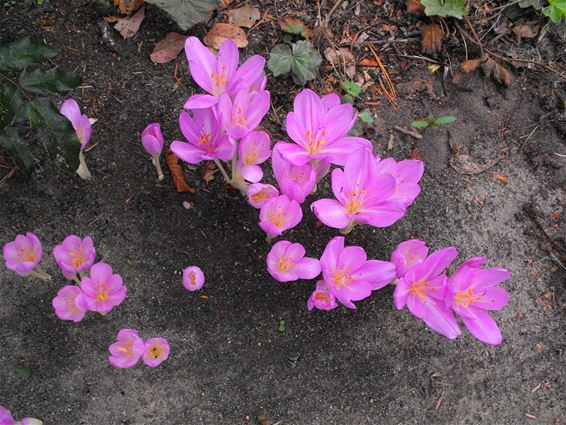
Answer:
(103, 290)
(278, 215)
(286, 262)
(74, 255)
(206, 140)
(6, 417)
(221, 74)
(81, 124)
(319, 130)
(23, 255)
(473, 290)
(152, 141)
(408, 254)
(423, 289)
(70, 304)
(295, 181)
(29, 421)
(362, 196)
(407, 174)
(253, 150)
(243, 113)
(156, 351)
(322, 297)
(259, 194)
(350, 275)
(127, 349)
(193, 278)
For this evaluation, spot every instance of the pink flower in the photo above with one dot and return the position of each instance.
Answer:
(103, 290)
(295, 181)
(243, 113)
(23, 254)
(407, 174)
(70, 109)
(152, 139)
(220, 75)
(362, 195)
(259, 194)
(6, 417)
(254, 149)
(30, 421)
(286, 262)
(350, 275)
(423, 288)
(319, 127)
(70, 304)
(74, 255)
(471, 291)
(408, 254)
(193, 278)
(127, 349)
(322, 298)
(156, 351)
(206, 140)
(279, 214)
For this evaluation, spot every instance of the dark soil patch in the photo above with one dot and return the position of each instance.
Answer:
(229, 362)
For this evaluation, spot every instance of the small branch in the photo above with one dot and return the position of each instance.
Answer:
(408, 132)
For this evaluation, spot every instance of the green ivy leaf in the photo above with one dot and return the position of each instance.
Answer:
(49, 81)
(419, 124)
(445, 119)
(301, 60)
(20, 54)
(280, 60)
(11, 101)
(537, 4)
(555, 11)
(55, 132)
(445, 8)
(18, 150)
(353, 89)
(366, 117)
(187, 13)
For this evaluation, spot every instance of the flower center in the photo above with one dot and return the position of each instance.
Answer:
(284, 264)
(259, 196)
(155, 351)
(251, 156)
(127, 348)
(322, 296)
(218, 81)
(193, 278)
(277, 218)
(420, 289)
(467, 298)
(314, 146)
(341, 277)
(26, 256)
(204, 139)
(102, 292)
(239, 118)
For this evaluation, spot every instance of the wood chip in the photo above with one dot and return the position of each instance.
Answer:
(500, 178)
(168, 48)
(221, 32)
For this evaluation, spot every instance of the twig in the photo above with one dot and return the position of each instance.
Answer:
(329, 15)
(548, 68)
(475, 35)
(528, 138)
(424, 58)
(557, 260)
(408, 132)
(10, 174)
(505, 6)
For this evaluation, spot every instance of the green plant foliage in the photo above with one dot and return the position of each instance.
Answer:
(49, 81)
(300, 59)
(430, 121)
(353, 89)
(366, 117)
(555, 11)
(537, 4)
(445, 119)
(20, 54)
(187, 12)
(445, 8)
(419, 124)
(11, 142)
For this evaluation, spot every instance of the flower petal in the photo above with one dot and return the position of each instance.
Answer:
(331, 212)
(483, 327)
(202, 63)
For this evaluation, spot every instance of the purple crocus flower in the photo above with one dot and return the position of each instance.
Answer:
(156, 351)
(471, 291)
(254, 149)
(259, 194)
(152, 141)
(322, 297)
(408, 254)
(423, 288)
(6, 417)
(80, 122)
(362, 196)
(74, 255)
(319, 130)
(206, 140)
(23, 254)
(220, 75)
(103, 290)
(295, 181)
(407, 174)
(286, 262)
(350, 275)
(278, 215)
(70, 304)
(127, 349)
(243, 114)
(193, 278)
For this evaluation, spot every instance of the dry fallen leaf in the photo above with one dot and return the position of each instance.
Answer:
(264, 420)
(177, 173)
(129, 26)
(168, 48)
(470, 65)
(245, 16)
(415, 8)
(525, 30)
(292, 25)
(432, 38)
(492, 69)
(416, 154)
(342, 58)
(500, 178)
(128, 6)
(416, 86)
(209, 171)
(368, 62)
(220, 32)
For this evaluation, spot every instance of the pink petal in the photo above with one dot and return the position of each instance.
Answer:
(249, 72)
(410, 171)
(331, 212)
(200, 101)
(401, 293)
(330, 101)
(70, 109)
(296, 251)
(338, 121)
(100, 272)
(188, 152)
(228, 58)
(376, 272)
(202, 63)
(308, 109)
(293, 153)
(483, 327)
(441, 320)
(341, 149)
(492, 299)
(488, 278)
(307, 268)
(438, 261)
(382, 215)
(352, 258)
(252, 173)
(337, 177)
(329, 258)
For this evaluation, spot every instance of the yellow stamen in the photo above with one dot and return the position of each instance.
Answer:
(277, 218)
(420, 289)
(284, 264)
(466, 298)
(341, 277)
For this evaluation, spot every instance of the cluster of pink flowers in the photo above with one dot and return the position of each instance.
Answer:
(6, 418)
(129, 348)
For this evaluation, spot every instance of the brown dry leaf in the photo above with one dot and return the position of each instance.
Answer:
(470, 65)
(128, 6)
(264, 420)
(368, 62)
(416, 86)
(466, 164)
(492, 69)
(129, 26)
(432, 38)
(220, 32)
(500, 178)
(525, 30)
(168, 48)
(416, 154)
(225, 3)
(208, 174)
(342, 58)
(415, 8)
(177, 174)
(245, 16)
(292, 25)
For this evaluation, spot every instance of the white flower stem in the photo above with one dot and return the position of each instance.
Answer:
(269, 239)
(76, 279)
(40, 274)
(83, 171)
(237, 180)
(222, 170)
(348, 229)
(157, 164)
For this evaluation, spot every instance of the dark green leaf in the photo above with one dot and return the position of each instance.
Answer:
(419, 124)
(445, 119)
(445, 8)
(280, 60)
(20, 54)
(49, 81)
(366, 117)
(11, 101)
(353, 89)
(187, 12)
(306, 63)
(18, 150)
(555, 11)
(25, 372)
